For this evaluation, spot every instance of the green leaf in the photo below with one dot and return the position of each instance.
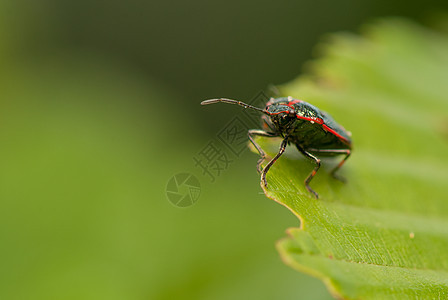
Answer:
(384, 233)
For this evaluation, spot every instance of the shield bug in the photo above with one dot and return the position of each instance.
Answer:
(313, 132)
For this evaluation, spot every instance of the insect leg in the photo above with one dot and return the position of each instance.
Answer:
(347, 153)
(269, 165)
(256, 132)
(316, 168)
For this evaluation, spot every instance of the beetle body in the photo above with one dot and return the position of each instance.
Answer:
(313, 132)
(305, 125)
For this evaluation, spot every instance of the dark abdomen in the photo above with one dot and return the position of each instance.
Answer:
(314, 136)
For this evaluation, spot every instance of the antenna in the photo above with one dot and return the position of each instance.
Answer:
(230, 101)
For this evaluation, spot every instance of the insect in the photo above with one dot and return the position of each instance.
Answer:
(311, 130)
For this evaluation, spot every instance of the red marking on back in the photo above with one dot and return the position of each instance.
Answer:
(317, 120)
(343, 139)
(326, 128)
(293, 102)
(279, 112)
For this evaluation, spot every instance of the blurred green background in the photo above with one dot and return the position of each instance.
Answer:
(100, 108)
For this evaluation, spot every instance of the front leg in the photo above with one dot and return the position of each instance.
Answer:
(256, 132)
(313, 173)
(269, 165)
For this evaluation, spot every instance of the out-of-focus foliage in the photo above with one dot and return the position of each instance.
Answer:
(85, 158)
(384, 234)
(99, 108)
(87, 148)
